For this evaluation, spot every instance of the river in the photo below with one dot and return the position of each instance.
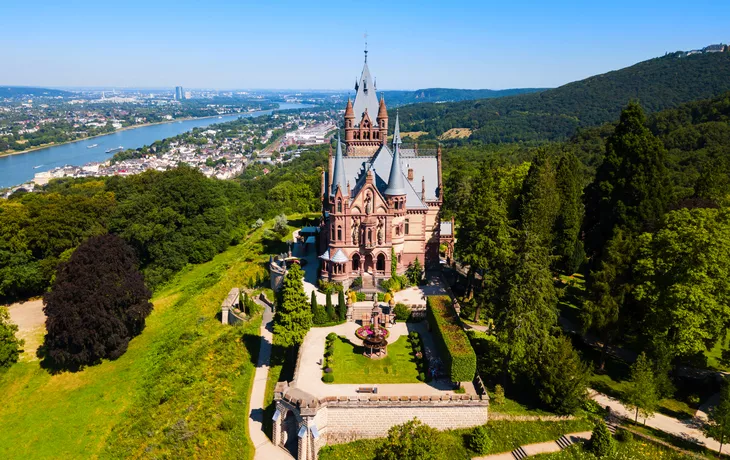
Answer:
(20, 168)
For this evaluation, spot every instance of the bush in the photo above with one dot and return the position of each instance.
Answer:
(357, 282)
(361, 297)
(10, 345)
(327, 370)
(328, 378)
(402, 312)
(624, 436)
(479, 440)
(281, 225)
(412, 441)
(457, 353)
(331, 337)
(602, 443)
(498, 395)
(329, 287)
(421, 376)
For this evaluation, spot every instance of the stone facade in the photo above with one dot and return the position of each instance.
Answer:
(335, 420)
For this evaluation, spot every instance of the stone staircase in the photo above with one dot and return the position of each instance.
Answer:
(519, 453)
(564, 442)
(361, 308)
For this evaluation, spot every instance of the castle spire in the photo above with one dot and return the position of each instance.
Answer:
(396, 131)
(396, 186)
(338, 171)
(348, 110)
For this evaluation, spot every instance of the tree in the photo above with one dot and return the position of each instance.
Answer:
(479, 440)
(683, 280)
(281, 225)
(331, 315)
(641, 392)
(601, 443)
(527, 314)
(10, 345)
(562, 379)
(341, 306)
(631, 188)
(607, 288)
(718, 420)
(293, 316)
(539, 200)
(567, 245)
(393, 264)
(314, 306)
(97, 303)
(415, 272)
(411, 440)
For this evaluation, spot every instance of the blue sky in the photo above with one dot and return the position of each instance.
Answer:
(318, 44)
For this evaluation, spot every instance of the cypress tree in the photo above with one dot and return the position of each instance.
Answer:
(341, 306)
(315, 308)
(293, 315)
(539, 200)
(567, 246)
(330, 309)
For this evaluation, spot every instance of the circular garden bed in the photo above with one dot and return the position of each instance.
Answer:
(365, 332)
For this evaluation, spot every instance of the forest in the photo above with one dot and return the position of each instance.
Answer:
(556, 114)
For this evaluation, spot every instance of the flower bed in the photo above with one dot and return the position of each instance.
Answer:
(367, 331)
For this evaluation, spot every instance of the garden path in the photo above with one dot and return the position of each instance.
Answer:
(265, 449)
(31, 322)
(308, 376)
(538, 448)
(685, 429)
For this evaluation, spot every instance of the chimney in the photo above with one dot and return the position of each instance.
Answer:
(410, 174)
(423, 188)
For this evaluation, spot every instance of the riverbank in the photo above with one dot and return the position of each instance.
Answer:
(54, 144)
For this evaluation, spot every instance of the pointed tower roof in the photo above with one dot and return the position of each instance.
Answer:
(348, 110)
(338, 171)
(396, 183)
(396, 131)
(382, 111)
(365, 97)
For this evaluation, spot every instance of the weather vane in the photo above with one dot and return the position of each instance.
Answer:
(365, 36)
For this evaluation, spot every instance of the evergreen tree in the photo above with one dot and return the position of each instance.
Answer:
(562, 380)
(98, 302)
(293, 315)
(314, 307)
(641, 392)
(341, 306)
(10, 345)
(331, 315)
(393, 264)
(567, 245)
(539, 200)
(631, 188)
(415, 272)
(528, 308)
(601, 443)
(718, 420)
(607, 288)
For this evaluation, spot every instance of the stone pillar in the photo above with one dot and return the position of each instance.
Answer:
(276, 430)
(303, 444)
(224, 314)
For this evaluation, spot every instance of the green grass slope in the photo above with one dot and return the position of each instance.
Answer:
(181, 390)
(556, 114)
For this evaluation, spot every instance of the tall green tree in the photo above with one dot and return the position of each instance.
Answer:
(608, 286)
(293, 316)
(539, 203)
(341, 306)
(567, 245)
(631, 188)
(10, 345)
(528, 305)
(718, 420)
(330, 309)
(683, 280)
(641, 392)
(562, 378)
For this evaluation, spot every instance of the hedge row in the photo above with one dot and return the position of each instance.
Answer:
(456, 351)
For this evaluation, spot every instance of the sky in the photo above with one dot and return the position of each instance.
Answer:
(270, 44)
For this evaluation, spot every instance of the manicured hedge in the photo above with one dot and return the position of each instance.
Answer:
(456, 351)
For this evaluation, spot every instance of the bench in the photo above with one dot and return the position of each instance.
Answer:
(371, 390)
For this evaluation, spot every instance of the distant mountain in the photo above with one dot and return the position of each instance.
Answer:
(396, 98)
(24, 91)
(556, 114)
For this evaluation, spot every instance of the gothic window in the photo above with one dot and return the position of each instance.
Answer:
(407, 226)
(380, 266)
(339, 233)
(332, 233)
(397, 230)
(399, 258)
(356, 262)
(339, 205)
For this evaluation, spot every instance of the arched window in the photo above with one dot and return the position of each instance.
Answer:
(370, 236)
(356, 262)
(407, 226)
(339, 205)
(332, 233)
(339, 233)
(380, 266)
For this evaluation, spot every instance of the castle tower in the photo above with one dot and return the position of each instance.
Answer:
(383, 121)
(366, 121)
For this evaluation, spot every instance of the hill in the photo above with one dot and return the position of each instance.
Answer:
(440, 95)
(9, 92)
(556, 114)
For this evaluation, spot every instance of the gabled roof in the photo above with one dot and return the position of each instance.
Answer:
(365, 97)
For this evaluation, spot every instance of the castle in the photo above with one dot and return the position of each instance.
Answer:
(379, 200)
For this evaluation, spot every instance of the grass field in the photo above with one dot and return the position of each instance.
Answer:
(456, 133)
(505, 435)
(350, 366)
(181, 390)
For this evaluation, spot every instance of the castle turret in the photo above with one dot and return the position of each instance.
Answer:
(396, 132)
(338, 171)
(382, 121)
(349, 122)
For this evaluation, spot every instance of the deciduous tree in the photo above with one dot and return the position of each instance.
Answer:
(641, 393)
(10, 345)
(412, 441)
(718, 420)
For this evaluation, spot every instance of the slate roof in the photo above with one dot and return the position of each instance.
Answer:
(339, 257)
(366, 97)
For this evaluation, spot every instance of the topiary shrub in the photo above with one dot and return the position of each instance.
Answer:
(456, 351)
(625, 436)
(498, 396)
(331, 337)
(328, 378)
(402, 313)
(479, 440)
(327, 370)
(602, 443)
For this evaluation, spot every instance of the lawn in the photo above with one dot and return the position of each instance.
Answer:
(505, 435)
(181, 390)
(638, 449)
(350, 366)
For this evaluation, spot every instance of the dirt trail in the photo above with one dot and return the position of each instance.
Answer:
(31, 325)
